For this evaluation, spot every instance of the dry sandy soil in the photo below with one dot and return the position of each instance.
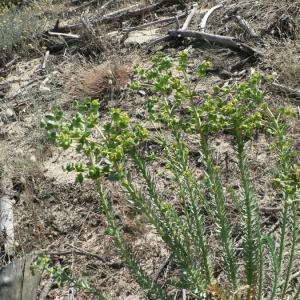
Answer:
(55, 215)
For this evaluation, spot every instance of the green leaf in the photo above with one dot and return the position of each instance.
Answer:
(79, 178)
(50, 116)
(55, 107)
(59, 115)
(82, 108)
(113, 176)
(43, 123)
(52, 125)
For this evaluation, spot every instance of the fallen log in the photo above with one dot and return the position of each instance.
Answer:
(211, 38)
(17, 282)
(7, 215)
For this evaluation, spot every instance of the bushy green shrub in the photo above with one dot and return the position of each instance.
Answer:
(239, 110)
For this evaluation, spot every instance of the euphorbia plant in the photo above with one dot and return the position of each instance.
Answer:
(238, 110)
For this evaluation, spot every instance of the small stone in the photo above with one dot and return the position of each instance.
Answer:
(9, 112)
(142, 93)
(45, 90)
(32, 158)
(20, 152)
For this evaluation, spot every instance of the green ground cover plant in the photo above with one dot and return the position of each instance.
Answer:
(262, 268)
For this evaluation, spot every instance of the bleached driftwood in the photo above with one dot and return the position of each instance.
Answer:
(206, 16)
(7, 215)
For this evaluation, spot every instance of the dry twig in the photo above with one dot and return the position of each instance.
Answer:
(204, 20)
(246, 26)
(286, 89)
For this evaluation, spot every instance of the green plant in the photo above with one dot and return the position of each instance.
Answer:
(239, 111)
(19, 28)
(43, 262)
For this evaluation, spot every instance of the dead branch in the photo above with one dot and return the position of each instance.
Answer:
(45, 59)
(189, 18)
(46, 289)
(164, 264)
(9, 64)
(131, 14)
(206, 16)
(286, 89)
(20, 90)
(90, 30)
(122, 10)
(82, 6)
(72, 36)
(6, 214)
(82, 252)
(155, 22)
(113, 17)
(211, 38)
(245, 25)
(129, 29)
(105, 5)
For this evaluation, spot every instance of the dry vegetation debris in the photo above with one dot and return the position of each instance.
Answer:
(92, 48)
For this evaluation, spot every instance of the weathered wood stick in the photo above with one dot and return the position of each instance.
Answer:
(7, 214)
(131, 14)
(246, 26)
(122, 10)
(105, 5)
(45, 59)
(9, 64)
(212, 38)
(72, 36)
(206, 16)
(155, 22)
(113, 17)
(288, 90)
(189, 18)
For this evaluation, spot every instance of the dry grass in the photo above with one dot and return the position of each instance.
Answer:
(107, 78)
